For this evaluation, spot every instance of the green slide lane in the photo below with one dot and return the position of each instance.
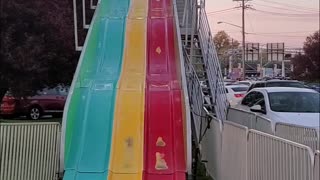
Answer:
(90, 105)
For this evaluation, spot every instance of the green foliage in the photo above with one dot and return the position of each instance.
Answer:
(307, 66)
(224, 46)
(37, 47)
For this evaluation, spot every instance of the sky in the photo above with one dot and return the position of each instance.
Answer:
(270, 21)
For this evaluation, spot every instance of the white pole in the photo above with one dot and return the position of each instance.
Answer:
(85, 25)
(91, 5)
(78, 48)
(243, 41)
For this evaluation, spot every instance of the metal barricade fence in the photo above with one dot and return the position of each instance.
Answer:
(231, 151)
(241, 117)
(29, 151)
(300, 134)
(211, 149)
(234, 152)
(263, 124)
(317, 166)
(271, 157)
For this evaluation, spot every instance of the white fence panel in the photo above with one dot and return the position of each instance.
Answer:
(317, 166)
(241, 117)
(264, 125)
(211, 148)
(29, 151)
(234, 152)
(271, 157)
(300, 134)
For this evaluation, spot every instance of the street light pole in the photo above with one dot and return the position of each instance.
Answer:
(243, 42)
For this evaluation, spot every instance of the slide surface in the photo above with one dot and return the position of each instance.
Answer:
(124, 114)
(127, 147)
(164, 137)
(90, 112)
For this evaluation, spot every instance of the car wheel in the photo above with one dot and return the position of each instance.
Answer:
(34, 113)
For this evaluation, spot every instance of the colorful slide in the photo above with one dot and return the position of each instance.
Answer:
(125, 115)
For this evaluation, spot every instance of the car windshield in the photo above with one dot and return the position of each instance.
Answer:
(240, 89)
(300, 102)
(285, 84)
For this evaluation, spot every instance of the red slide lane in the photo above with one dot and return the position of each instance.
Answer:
(164, 138)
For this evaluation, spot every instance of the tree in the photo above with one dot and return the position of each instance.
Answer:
(307, 65)
(224, 43)
(36, 45)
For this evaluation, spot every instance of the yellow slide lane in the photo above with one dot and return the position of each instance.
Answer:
(127, 144)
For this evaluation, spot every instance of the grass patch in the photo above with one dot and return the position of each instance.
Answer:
(201, 172)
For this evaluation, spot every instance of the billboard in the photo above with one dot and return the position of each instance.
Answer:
(275, 51)
(252, 52)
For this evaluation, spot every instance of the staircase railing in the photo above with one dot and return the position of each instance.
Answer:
(196, 99)
(212, 64)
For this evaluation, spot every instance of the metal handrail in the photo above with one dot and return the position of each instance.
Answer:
(212, 64)
(196, 98)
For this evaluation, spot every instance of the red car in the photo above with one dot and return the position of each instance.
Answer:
(45, 102)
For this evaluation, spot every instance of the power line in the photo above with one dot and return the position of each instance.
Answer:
(291, 32)
(272, 35)
(223, 10)
(282, 34)
(282, 8)
(309, 15)
(291, 5)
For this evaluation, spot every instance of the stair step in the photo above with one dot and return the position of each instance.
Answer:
(205, 79)
(189, 37)
(199, 63)
(197, 55)
(201, 72)
(195, 48)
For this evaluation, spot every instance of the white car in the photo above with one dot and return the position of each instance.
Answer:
(247, 83)
(299, 106)
(235, 93)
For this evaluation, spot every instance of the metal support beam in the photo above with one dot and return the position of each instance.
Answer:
(194, 10)
(186, 22)
(91, 5)
(77, 47)
(184, 13)
(85, 25)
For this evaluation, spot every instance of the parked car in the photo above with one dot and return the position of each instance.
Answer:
(276, 83)
(314, 86)
(235, 93)
(45, 102)
(299, 106)
(247, 83)
(228, 81)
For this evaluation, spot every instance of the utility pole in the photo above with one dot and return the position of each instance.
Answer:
(243, 41)
(231, 57)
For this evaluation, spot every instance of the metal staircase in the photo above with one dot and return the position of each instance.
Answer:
(206, 89)
(197, 61)
(201, 54)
